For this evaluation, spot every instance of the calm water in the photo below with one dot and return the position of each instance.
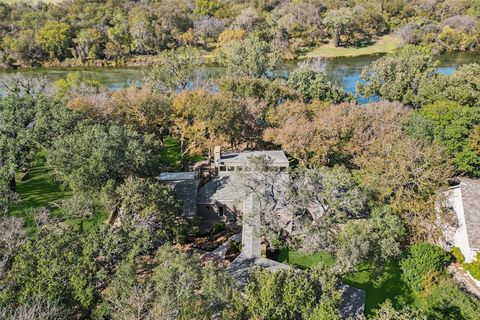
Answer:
(343, 71)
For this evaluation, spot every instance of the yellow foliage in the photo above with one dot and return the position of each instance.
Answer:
(231, 35)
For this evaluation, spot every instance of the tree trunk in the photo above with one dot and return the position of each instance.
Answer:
(12, 183)
(336, 38)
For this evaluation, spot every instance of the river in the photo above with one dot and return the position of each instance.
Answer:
(344, 72)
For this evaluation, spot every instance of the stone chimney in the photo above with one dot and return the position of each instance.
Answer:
(217, 154)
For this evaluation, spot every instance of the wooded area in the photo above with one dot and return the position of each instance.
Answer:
(91, 233)
(83, 32)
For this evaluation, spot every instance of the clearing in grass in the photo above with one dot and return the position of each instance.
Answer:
(384, 44)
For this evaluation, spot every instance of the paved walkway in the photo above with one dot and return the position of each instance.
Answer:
(251, 244)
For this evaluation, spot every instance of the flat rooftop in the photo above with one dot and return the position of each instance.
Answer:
(278, 157)
(177, 176)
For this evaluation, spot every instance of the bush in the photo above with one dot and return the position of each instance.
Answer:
(474, 267)
(457, 254)
(219, 227)
(421, 260)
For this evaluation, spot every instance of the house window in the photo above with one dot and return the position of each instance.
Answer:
(208, 207)
(222, 168)
(230, 168)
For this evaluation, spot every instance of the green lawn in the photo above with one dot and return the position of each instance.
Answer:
(385, 44)
(39, 189)
(170, 155)
(388, 285)
(302, 261)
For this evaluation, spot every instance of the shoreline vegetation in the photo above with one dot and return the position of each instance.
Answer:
(383, 45)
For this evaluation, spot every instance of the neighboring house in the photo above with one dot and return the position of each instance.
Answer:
(465, 202)
(186, 186)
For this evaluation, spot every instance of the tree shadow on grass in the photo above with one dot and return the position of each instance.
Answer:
(388, 285)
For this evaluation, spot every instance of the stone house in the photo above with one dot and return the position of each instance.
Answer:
(222, 195)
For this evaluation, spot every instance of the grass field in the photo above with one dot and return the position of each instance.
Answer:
(301, 260)
(39, 190)
(170, 156)
(388, 285)
(384, 44)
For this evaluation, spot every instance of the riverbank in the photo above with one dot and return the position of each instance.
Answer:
(385, 44)
(130, 62)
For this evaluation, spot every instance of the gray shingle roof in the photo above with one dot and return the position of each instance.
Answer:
(470, 190)
(221, 189)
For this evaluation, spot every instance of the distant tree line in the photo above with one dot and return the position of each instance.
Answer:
(86, 32)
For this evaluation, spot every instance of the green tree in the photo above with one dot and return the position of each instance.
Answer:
(250, 57)
(16, 135)
(289, 294)
(52, 266)
(421, 261)
(272, 92)
(148, 206)
(310, 80)
(8, 198)
(22, 48)
(91, 155)
(462, 87)
(178, 287)
(88, 44)
(206, 7)
(119, 40)
(443, 299)
(376, 240)
(142, 30)
(450, 125)
(176, 69)
(340, 24)
(388, 312)
(353, 26)
(54, 37)
(53, 120)
(397, 77)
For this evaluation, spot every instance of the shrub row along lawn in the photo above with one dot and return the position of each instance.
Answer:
(378, 287)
